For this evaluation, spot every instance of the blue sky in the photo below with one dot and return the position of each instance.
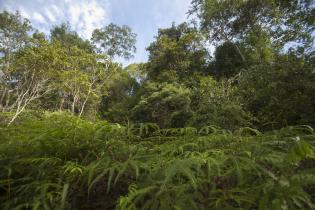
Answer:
(143, 16)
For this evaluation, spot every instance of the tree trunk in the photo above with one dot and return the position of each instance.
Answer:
(83, 105)
(61, 103)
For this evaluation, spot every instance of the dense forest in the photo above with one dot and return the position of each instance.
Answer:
(221, 116)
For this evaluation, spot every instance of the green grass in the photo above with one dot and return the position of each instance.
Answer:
(58, 161)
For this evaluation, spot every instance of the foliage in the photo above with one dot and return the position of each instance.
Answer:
(227, 62)
(137, 71)
(257, 29)
(165, 104)
(54, 78)
(29, 77)
(177, 54)
(68, 38)
(63, 162)
(230, 20)
(215, 103)
(82, 80)
(13, 35)
(114, 40)
(117, 104)
(281, 93)
(13, 32)
(196, 132)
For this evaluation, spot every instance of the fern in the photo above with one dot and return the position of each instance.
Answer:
(59, 161)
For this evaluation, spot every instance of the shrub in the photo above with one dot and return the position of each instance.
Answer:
(60, 161)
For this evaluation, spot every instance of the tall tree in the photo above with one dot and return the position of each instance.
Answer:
(121, 96)
(114, 41)
(280, 93)
(13, 35)
(79, 80)
(215, 103)
(31, 74)
(177, 54)
(227, 61)
(68, 38)
(168, 105)
(232, 20)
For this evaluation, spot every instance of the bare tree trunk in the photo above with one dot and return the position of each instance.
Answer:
(75, 98)
(3, 95)
(17, 113)
(2, 105)
(83, 105)
(86, 99)
(240, 53)
(24, 98)
(72, 106)
(19, 109)
(62, 103)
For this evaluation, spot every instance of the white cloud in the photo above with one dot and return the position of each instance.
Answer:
(83, 15)
(38, 17)
(55, 10)
(50, 15)
(24, 13)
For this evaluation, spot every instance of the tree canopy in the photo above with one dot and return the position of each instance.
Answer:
(115, 40)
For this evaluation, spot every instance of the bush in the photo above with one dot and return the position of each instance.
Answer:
(60, 161)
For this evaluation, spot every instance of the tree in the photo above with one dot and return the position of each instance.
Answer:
(168, 105)
(56, 78)
(137, 71)
(216, 103)
(30, 77)
(177, 54)
(69, 38)
(280, 93)
(232, 20)
(227, 61)
(120, 98)
(114, 41)
(275, 83)
(13, 36)
(82, 79)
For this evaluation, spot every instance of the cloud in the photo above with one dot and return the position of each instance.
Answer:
(173, 11)
(38, 17)
(24, 13)
(50, 15)
(143, 16)
(83, 15)
(86, 16)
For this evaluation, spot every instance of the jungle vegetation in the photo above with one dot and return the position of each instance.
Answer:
(191, 128)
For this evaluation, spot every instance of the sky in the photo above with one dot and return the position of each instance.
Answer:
(143, 16)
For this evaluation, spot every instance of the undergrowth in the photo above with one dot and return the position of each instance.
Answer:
(58, 161)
